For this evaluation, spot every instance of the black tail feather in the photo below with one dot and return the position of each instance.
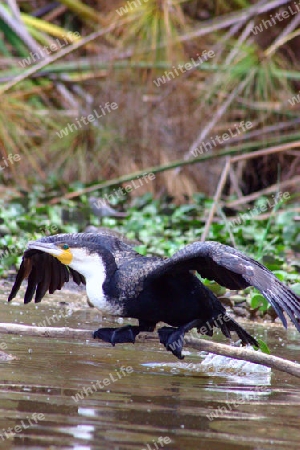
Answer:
(228, 324)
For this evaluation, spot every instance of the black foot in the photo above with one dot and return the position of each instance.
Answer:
(172, 339)
(117, 335)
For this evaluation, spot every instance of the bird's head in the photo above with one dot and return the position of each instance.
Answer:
(64, 251)
(88, 255)
(84, 252)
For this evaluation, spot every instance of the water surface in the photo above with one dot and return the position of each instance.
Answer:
(72, 394)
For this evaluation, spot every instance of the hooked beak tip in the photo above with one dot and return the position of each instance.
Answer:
(35, 245)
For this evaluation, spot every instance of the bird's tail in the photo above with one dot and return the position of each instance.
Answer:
(229, 325)
(226, 325)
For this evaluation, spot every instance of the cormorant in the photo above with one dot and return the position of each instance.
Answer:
(122, 282)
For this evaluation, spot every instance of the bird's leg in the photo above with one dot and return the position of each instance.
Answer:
(123, 334)
(117, 335)
(173, 338)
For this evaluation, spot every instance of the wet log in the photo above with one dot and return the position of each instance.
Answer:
(241, 353)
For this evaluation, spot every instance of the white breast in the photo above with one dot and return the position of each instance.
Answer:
(93, 269)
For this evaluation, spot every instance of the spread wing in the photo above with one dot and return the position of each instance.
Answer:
(234, 270)
(44, 273)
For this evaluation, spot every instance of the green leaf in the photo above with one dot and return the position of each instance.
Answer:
(296, 288)
(259, 301)
(214, 287)
(262, 346)
(280, 274)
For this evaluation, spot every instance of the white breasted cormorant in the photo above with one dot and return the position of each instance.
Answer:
(122, 282)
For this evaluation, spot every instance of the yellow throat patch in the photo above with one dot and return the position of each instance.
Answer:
(65, 257)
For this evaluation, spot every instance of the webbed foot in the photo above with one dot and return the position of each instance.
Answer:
(117, 335)
(172, 339)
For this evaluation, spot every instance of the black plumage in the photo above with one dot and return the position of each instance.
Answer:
(153, 289)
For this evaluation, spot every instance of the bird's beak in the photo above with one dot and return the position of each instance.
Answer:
(64, 256)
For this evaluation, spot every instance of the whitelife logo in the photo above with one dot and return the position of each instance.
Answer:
(85, 120)
(45, 51)
(279, 17)
(102, 384)
(295, 99)
(10, 432)
(9, 160)
(130, 6)
(182, 68)
(205, 146)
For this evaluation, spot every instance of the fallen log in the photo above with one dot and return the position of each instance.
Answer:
(241, 353)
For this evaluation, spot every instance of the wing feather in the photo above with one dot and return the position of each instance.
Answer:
(234, 270)
(77, 277)
(33, 280)
(54, 279)
(24, 271)
(45, 274)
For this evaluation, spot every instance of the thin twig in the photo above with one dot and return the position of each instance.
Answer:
(263, 216)
(223, 180)
(19, 28)
(224, 107)
(251, 197)
(199, 344)
(284, 36)
(173, 165)
(65, 51)
(227, 20)
(218, 114)
(266, 151)
(227, 226)
(234, 183)
(216, 199)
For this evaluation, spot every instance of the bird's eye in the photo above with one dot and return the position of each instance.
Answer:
(65, 247)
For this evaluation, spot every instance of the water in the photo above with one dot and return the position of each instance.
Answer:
(83, 395)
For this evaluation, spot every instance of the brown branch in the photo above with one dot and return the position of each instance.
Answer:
(266, 216)
(199, 344)
(266, 151)
(245, 354)
(50, 332)
(273, 188)
(154, 169)
(178, 163)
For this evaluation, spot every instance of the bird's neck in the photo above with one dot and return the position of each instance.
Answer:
(94, 272)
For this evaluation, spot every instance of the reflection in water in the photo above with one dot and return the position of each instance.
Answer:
(216, 405)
